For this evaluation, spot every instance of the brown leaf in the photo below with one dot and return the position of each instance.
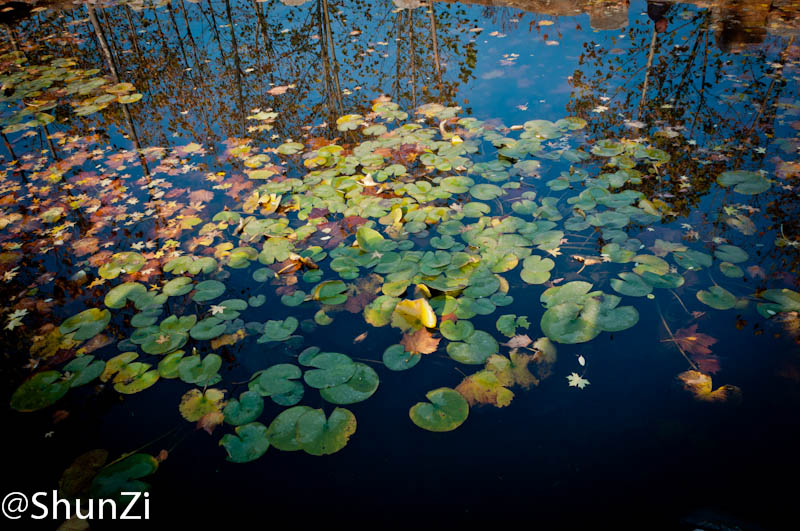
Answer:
(693, 342)
(228, 339)
(360, 337)
(210, 420)
(420, 342)
(519, 341)
(700, 386)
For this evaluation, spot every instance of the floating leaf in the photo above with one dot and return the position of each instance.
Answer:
(330, 369)
(207, 290)
(700, 386)
(744, 182)
(86, 324)
(358, 388)
(717, 297)
(41, 390)
(475, 350)
(118, 296)
(279, 330)
(249, 443)
(123, 476)
(320, 436)
(397, 359)
(195, 403)
(446, 411)
(128, 262)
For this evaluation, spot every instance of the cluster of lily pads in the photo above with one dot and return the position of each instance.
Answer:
(29, 91)
(410, 229)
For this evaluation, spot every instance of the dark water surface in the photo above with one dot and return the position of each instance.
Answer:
(680, 92)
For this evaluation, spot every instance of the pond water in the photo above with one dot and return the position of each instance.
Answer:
(372, 261)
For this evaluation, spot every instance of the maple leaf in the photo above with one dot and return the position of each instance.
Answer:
(420, 342)
(575, 380)
(693, 342)
(362, 293)
(215, 309)
(162, 339)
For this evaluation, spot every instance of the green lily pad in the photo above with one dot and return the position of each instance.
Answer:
(717, 297)
(446, 411)
(279, 330)
(282, 431)
(178, 286)
(456, 330)
(84, 369)
(295, 299)
(368, 239)
(485, 191)
(607, 148)
(86, 324)
(476, 350)
(631, 284)
(330, 369)
(41, 390)
(730, 270)
(536, 270)
(118, 296)
(200, 371)
(358, 388)
(397, 359)
(318, 436)
(249, 443)
(744, 182)
(280, 379)
(123, 476)
(207, 329)
(207, 290)
(246, 409)
(731, 253)
(128, 262)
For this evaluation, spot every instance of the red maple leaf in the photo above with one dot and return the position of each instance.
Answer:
(693, 342)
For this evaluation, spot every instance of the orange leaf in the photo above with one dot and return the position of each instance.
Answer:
(420, 342)
(210, 420)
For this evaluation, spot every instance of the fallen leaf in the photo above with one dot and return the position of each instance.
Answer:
(420, 342)
(519, 341)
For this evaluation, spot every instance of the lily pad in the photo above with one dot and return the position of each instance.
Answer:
(207, 290)
(86, 324)
(246, 409)
(744, 182)
(249, 443)
(128, 262)
(397, 359)
(475, 350)
(330, 369)
(123, 476)
(41, 390)
(320, 436)
(446, 411)
(118, 296)
(717, 297)
(279, 330)
(282, 431)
